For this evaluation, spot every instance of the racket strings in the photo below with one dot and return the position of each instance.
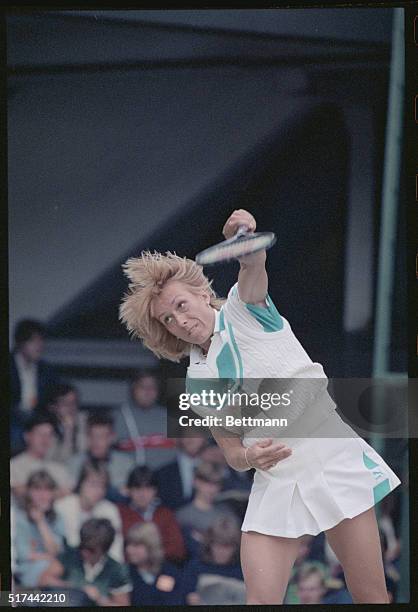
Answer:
(242, 246)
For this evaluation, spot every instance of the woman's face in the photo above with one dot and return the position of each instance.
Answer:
(41, 497)
(142, 496)
(137, 554)
(93, 489)
(184, 314)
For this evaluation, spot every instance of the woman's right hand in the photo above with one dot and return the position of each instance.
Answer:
(264, 454)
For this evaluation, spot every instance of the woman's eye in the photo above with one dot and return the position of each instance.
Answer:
(167, 320)
(182, 304)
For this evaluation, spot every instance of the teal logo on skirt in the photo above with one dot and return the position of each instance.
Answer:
(381, 489)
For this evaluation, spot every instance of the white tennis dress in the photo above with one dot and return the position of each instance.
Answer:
(326, 479)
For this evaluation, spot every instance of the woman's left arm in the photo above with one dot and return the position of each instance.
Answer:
(252, 277)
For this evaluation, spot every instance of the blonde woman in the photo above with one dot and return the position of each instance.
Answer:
(307, 485)
(38, 531)
(155, 581)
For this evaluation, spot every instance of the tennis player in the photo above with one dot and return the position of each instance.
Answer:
(302, 485)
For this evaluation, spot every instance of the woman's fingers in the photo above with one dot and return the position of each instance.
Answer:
(265, 458)
(238, 218)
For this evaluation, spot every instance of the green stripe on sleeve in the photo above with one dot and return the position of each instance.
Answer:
(238, 354)
(268, 317)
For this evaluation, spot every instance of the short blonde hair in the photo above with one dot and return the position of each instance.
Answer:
(224, 530)
(149, 536)
(148, 275)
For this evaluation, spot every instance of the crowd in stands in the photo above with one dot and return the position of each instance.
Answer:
(110, 520)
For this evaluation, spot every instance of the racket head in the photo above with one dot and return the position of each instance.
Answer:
(238, 246)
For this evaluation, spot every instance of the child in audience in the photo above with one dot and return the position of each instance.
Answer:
(155, 581)
(40, 433)
(88, 501)
(196, 517)
(304, 553)
(310, 581)
(219, 559)
(63, 402)
(38, 532)
(100, 437)
(89, 568)
(145, 506)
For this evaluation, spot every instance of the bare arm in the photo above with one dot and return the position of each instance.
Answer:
(252, 277)
(231, 447)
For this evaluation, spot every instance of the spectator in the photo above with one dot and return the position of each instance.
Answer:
(175, 480)
(144, 506)
(100, 437)
(310, 582)
(155, 581)
(304, 553)
(313, 586)
(62, 401)
(220, 561)
(89, 501)
(90, 569)
(39, 437)
(141, 416)
(38, 533)
(30, 377)
(236, 485)
(197, 516)
(232, 480)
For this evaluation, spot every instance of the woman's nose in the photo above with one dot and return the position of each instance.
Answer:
(181, 320)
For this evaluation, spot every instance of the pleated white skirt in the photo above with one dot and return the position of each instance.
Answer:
(325, 480)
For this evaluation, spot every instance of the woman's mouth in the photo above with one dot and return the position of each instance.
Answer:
(192, 328)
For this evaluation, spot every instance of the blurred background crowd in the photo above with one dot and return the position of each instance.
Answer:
(106, 507)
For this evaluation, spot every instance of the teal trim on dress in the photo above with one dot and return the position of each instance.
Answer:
(225, 363)
(215, 385)
(369, 463)
(268, 317)
(221, 320)
(238, 354)
(380, 490)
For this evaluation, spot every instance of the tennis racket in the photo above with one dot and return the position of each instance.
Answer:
(243, 243)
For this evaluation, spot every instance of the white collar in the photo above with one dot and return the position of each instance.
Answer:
(92, 571)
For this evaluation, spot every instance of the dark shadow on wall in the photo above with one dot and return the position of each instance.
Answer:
(295, 185)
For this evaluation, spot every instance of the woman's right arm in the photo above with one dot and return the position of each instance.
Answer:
(262, 455)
